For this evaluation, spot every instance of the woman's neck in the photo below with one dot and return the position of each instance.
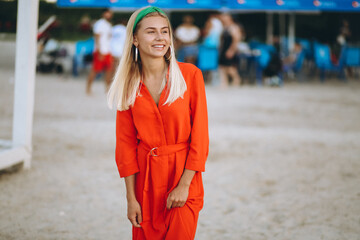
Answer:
(154, 69)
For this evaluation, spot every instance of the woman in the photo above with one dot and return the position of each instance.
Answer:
(161, 130)
(228, 59)
(208, 59)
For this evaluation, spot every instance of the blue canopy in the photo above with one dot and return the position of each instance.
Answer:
(294, 5)
(165, 4)
(250, 5)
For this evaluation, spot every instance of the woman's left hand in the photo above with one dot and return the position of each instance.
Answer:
(177, 197)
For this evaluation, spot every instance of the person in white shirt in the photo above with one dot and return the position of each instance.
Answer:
(102, 59)
(188, 35)
(117, 42)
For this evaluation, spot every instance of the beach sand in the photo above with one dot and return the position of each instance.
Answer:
(284, 163)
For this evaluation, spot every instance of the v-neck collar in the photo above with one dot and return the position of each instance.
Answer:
(162, 91)
(152, 99)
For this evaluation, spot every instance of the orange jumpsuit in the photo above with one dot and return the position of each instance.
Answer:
(156, 143)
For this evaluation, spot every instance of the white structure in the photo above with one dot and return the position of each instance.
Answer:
(291, 31)
(282, 28)
(20, 149)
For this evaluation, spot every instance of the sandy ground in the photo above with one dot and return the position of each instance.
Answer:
(284, 163)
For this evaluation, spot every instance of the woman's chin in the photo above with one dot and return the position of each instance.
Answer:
(157, 56)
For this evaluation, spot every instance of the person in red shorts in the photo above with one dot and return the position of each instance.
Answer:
(102, 59)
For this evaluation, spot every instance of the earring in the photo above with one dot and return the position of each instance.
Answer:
(136, 54)
(169, 57)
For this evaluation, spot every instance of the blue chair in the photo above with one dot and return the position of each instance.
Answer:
(351, 57)
(254, 44)
(299, 62)
(323, 61)
(297, 67)
(82, 49)
(306, 46)
(265, 55)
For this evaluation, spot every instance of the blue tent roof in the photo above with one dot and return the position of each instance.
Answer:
(294, 5)
(165, 4)
(252, 5)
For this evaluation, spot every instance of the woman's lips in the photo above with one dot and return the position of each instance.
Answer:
(159, 46)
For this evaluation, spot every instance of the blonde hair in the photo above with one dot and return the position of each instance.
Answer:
(125, 86)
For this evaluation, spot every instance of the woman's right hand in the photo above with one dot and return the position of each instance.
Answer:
(229, 54)
(134, 213)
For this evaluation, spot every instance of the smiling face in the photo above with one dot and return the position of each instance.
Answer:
(152, 37)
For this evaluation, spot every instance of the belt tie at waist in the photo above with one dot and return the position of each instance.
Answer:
(156, 181)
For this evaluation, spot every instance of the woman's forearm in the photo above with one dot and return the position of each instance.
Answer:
(186, 178)
(130, 187)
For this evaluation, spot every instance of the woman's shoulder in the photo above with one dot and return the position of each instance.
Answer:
(191, 73)
(188, 68)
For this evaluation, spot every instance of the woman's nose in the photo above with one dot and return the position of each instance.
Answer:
(159, 36)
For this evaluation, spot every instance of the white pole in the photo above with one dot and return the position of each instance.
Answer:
(269, 29)
(26, 37)
(291, 31)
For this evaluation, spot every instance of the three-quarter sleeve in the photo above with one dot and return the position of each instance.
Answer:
(199, 139)
(126, 144)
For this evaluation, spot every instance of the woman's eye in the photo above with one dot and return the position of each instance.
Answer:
(165, 32)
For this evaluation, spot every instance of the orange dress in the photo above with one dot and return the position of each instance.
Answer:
(156, 143)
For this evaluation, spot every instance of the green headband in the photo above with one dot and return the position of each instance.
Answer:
(145, 12)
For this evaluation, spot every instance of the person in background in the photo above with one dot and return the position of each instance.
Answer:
(85, 24)
(117, 42)
(341, 41)
(344, 34)
(289, 62)
(187, 35)
(242, 32)
(208, 59)
(162, 138)
(212, 31)
(102, 59)
(228, 59)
